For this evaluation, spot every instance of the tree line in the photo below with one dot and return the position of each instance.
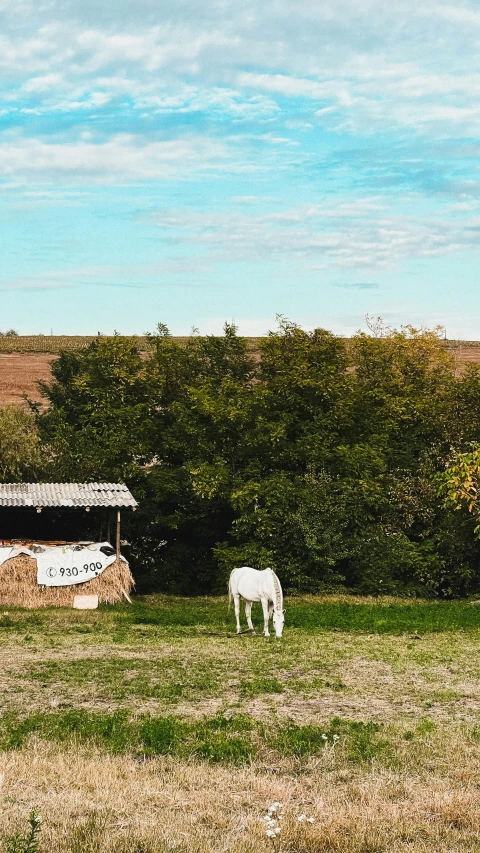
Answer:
(337, 462)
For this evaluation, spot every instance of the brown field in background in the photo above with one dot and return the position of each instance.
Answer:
(26, 359)
(19, 374)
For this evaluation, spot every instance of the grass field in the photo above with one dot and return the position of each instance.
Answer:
(153, 728)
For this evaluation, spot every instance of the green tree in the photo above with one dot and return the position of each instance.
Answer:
(316, 456)
(21, 456)
(99, 412)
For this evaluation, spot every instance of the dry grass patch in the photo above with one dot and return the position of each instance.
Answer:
(93, 802)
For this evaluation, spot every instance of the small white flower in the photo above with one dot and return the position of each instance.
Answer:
(301, 817)
(310, 820)
(277, 830)
(270, 833)
(324, 737)
(336, 737)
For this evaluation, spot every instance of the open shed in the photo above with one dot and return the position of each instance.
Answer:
(42, 564)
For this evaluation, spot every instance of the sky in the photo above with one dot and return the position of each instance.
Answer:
(195, 163)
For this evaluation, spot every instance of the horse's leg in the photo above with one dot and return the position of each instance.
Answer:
(248, 614)
(236, 602)
(266, 616)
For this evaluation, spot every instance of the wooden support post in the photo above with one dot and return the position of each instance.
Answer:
(118, 534)
(109, 532)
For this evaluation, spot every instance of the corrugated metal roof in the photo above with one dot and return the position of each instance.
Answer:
(65, 495)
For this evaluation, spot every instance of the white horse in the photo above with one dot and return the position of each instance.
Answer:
(253, 585)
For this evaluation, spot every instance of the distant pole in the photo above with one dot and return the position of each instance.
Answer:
(118, 534)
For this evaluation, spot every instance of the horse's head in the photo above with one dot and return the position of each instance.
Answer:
(278, 622)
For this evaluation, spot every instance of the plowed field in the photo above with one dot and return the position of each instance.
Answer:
(19, 374)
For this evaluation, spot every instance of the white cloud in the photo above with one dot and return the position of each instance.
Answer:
(122, 158)
(363, 65)
(459, 15)
(325, 237)
(289, 86)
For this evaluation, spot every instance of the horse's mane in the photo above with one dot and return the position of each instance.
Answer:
(278, 592)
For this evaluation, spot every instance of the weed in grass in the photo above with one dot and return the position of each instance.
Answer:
(172, 691)
(27, 842)
(299, 740)
(217, 739)
(359, 739)
(224, 739)
(336, 684)
(424, 727)
(237, 723)
(475, 733)
(258, 686)
(161, 735)
(220, 747)
(362, 745)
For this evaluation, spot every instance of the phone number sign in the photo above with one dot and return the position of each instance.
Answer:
(69, 569)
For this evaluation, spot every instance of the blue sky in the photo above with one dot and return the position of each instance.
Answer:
(192, 163)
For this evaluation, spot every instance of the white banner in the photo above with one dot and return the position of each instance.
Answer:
(64, 566)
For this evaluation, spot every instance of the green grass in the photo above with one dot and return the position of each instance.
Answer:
(360, 739)
(259, 686)
(415, 617)
(234, 739)
(305, 613)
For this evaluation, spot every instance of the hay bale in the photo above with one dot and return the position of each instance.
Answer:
(19, 588)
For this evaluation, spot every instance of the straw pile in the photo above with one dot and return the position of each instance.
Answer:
(19, 588)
